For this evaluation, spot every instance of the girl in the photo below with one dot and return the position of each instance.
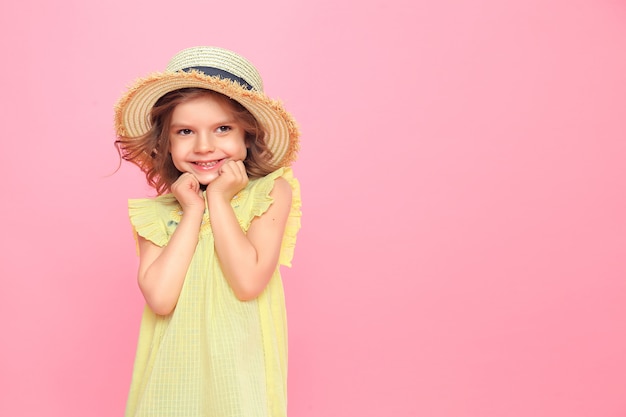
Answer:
(216, 149)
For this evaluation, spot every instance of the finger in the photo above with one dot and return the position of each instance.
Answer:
(185, 177)
(196, 184)
(192, 177)
(224, 167)
(233, 169)
(192, 181)
(239, 171)
(242, 168)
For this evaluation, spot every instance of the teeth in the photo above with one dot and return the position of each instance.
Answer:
(207, 164)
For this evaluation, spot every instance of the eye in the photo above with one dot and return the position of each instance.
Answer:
(224, 129)
(184, 132)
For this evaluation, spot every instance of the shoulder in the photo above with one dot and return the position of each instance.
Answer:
(278, 182)
(150, 211)
(262, 194)
(273, 188)
(166, 200)
(281, 190)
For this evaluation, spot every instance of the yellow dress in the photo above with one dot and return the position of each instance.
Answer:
(214, 356)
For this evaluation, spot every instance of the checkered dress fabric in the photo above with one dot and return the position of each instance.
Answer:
(213, 356)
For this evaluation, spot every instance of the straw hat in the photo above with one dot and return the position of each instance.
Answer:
(215, 69)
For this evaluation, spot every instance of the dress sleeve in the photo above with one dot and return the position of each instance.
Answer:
(262, 202)
(146, 222)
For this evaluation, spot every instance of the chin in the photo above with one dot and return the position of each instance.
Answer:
(206, 181)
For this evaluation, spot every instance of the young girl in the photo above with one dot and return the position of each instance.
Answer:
(213, 336)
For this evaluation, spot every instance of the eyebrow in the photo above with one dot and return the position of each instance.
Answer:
(175, 126)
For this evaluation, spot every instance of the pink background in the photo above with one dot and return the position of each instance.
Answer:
(463, 174)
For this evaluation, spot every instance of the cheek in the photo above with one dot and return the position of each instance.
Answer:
(175, 156)
(178, 166)
(236, 147)
(243, 148)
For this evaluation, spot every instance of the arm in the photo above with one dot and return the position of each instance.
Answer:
(162, 270)
(247, 260)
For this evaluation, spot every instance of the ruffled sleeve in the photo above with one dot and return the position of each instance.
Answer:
(261, 201)
(146, 221)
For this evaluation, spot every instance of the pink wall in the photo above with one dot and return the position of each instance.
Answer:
(462, 251)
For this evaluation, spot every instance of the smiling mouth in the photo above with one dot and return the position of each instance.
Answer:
(209, 164)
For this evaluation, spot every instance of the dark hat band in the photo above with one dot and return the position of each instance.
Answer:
(216, 72)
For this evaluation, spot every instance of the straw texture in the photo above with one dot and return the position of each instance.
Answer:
(132, 112)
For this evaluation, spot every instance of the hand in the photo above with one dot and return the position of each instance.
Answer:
(186, 189)
(233, 178)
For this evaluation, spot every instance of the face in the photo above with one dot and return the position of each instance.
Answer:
(203, 135)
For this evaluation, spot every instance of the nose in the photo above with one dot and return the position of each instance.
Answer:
(204, 143)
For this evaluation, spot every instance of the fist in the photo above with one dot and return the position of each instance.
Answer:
(187, 191)
(232, 179)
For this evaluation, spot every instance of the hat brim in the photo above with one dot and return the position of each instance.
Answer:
(132, 113)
